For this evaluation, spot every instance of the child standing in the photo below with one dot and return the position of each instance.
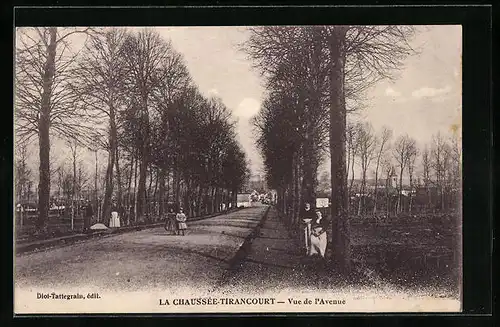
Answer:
(181, 222)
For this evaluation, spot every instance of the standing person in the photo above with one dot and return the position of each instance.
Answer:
(88, 215)
(181, 222)
(115, 219)
(170, 221)
(308, 212)
(318, 236)
(307, 215)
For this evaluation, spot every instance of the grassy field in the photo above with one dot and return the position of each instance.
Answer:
(411, 251)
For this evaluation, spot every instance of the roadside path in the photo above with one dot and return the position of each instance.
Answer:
(143, 260)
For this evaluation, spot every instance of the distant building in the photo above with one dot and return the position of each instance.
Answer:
(382, 183)
(243, 199)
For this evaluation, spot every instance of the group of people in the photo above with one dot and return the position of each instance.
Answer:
(316, 238)
(176, 222)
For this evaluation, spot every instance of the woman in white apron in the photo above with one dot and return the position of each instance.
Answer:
(318, 237)
(115, 219)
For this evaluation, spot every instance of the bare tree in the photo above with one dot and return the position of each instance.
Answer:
(22, 173)
(101, 75)
(412, 157)
(440, 160)
(456, 166)
(82, 180)
(367, 144)
(74, 149)
(294, 62)
(389, 172)
(353, 58)
(61, 173)
(144, 53)
(402, 150)
(172, 79)
(426, 175)
(358, 57)
(95, 146)
(385, 136)
(44, 103)
(352, 152)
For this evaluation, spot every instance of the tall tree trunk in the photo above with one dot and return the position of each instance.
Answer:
(79, 192)
(348, 167)
(106, 208)
(95, 188)
(148, 194)
(218, 198)
(141, 188)
(400, 191)
(340, 228)
(161, 191)
(129, 192)
(375, 196)
(176, 184)
(144, 162)
(352, 172)
(43, 132)
(300, 180)
(387, 204)
(410, 195)
(199, 200)
(235, 198)
(205, 200)
(429, 198)
(167, 197)
(155, 198)
(215, 200)
(442, 198)
(212, 200)
(109, 186)
(348, 162)
(136, 195)
(73, 191)
(296, 191)
(361, 209)
(309, 171)
(118, 179)
(411, 203)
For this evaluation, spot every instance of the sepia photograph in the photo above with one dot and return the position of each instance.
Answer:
(238, 169)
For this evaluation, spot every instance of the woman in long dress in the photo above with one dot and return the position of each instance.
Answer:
(170, 222)
(115, 219)
(318, 237)
(181, 222)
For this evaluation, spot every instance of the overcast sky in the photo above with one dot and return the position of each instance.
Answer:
(424, 99)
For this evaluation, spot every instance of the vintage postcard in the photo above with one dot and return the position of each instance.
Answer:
(263, 169)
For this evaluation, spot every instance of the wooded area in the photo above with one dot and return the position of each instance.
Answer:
(315, 78)
(129, 95)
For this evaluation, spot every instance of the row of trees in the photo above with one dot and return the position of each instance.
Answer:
(433, 167)
(315, 76)
(129, 94)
